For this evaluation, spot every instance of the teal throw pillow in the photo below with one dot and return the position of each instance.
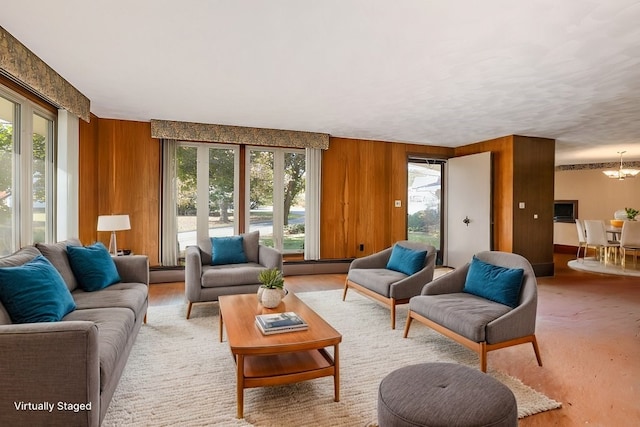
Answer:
(35, 292)
(93, 266)
(405, 260)
(495, 283)
(227, 250)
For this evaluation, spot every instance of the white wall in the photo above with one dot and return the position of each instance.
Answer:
(598, 198)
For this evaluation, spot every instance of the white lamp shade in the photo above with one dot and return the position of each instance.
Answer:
(113, 222)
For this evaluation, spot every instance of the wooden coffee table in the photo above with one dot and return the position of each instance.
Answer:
(285, 358)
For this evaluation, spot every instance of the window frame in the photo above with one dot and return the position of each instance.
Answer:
(22, 174)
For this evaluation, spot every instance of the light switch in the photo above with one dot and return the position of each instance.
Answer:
(535, 216)
(398, 203)
(521, 205)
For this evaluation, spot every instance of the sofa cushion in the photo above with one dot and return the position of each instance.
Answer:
(405, 260)
(93, 267)
(493, 282)
(56, 253)
(378, 280)
(19, 257)
(251, 241)
(231, 274)
(35, 292)
(123, 295)
(115, 325)
(227, 250)
(463, 313)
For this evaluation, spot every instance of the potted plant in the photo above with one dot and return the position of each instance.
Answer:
(631, 213)
(271, 291)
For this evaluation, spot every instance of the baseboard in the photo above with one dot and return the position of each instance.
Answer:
(565, 249)
(289, 268)
(300, 268)
(166, 274)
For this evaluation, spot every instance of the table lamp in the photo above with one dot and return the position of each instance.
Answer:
(113, 223)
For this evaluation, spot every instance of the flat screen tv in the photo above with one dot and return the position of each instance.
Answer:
(565, 210)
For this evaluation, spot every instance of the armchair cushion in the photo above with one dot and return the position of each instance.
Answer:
(463, 313)
(405, 260)
(227, 250)
(495, 283)
(93, 266)
(35, 292)
(378, 280)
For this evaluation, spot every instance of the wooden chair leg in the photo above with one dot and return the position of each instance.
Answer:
(346, 287)
(189, 309)
(534, 342)
(407, 325)
(393, 314)
(145, 318)
(483, 357)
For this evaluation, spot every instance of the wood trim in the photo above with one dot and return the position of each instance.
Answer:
(22, 91)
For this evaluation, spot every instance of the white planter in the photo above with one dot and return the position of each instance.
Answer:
(271, 297)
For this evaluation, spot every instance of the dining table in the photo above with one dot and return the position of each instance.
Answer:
(614, 232)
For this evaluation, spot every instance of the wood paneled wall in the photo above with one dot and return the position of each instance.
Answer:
(120, 171)
(523, 171)
(502, 175)
(88, 185)
(361, 179)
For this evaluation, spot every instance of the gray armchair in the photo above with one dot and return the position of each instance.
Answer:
(205, 282)
(370, 276)
(477, 323)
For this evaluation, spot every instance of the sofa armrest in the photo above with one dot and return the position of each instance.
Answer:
(269, 257)
(192, 273)
(376, 260)
(49, 362)
(412, 285)
(450, 283)
(133, 268)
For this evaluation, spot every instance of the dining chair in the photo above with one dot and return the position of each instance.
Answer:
(629, 241)
(582, 240)
(597, 236)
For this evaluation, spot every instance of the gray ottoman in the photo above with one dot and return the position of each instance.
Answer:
(444, 394)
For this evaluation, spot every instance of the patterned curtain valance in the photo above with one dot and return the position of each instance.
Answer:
(596, 166)
(186, 131)
(23, 66)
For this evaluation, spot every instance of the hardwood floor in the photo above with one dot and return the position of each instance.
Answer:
(588, 330)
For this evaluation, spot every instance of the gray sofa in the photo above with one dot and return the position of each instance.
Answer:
(72, 365)
(206, 282)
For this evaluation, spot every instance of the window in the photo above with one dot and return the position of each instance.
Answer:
(276, 195)
(207, 179)
(27, 173)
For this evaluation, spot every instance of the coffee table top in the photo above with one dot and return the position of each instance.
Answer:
(238, 313)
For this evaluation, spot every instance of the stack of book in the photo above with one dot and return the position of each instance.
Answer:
(280, 322)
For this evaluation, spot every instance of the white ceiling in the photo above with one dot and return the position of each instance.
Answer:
(437, 72)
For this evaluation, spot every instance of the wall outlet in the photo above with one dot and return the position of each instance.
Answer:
(361, 247)
(521, 205)
(398, 203)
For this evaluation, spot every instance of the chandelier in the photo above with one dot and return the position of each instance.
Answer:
(621, 173)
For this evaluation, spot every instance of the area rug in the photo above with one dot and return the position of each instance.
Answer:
(179, 374)
(592, 265)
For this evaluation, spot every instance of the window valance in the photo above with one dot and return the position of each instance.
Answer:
(25, 68)
(186, 131)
